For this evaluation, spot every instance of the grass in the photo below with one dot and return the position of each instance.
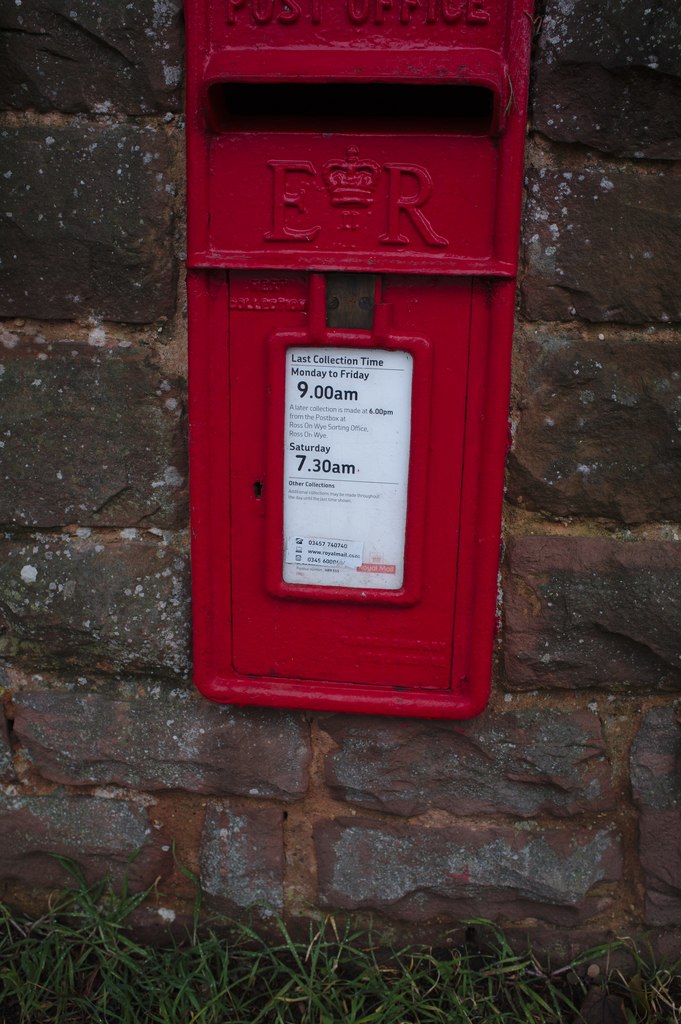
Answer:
(80, 964)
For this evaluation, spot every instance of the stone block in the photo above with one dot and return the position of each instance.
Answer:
(92, 57)
(656, 784)
(115, 607)
(90, 433)
(6, 765)
(519, 763)
(416, 873)
(103, 837)
(87, 226)
(164, 741)
(608, 75)
(599, 428)
(585, 612)
(242, 858)
(603, 244)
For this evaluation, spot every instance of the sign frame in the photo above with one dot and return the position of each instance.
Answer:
(420, 349)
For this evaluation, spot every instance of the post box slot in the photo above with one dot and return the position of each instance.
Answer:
(374, 106)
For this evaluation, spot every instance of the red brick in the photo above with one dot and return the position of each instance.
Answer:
(120, 606)
(164, 741)
(92, 57)
(99, 835)
(598, 427)
(242, 858)
(92, 434)
(656, 783)
(603, 244)
(513, 763)
(96, 238)
(585, 612)
(415, 873)
(608, 76)
(6, 765)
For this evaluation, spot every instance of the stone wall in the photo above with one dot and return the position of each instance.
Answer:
(558, 809)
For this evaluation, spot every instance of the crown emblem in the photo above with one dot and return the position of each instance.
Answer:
(351, 182)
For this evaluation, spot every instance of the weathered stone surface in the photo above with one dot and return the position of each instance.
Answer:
(656, 760)
(120, 606)
(656, 783)
(415, 873)
(603, 245)
(91, 56)
(6, 766)
(666, 943)
(242, 857)
(520, 763)
(599, 430)
(100, 835)
(608, 75)
(585, 612)
(87, 223)
(91, 434)
(165, 741)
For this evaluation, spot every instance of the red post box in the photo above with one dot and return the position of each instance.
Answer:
(354, 175)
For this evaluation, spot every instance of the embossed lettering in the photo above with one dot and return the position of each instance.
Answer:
(351, 183)
(358, 11)
(476, 13)
(231, 9)
(379, 11)
(409, 205)
(406, 7)
(262, 11)
(292, 11)
(471, 12)
(259, 302)
(283, 198)
(452, 11)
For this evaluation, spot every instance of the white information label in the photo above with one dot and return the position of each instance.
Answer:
(346, 466)
(319, 551)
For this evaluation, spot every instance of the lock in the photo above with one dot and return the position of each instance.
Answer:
(354, 175)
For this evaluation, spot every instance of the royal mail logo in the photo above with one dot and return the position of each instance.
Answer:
(353, 183)
(377, 567)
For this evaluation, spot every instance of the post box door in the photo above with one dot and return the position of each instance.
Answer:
(393, 626)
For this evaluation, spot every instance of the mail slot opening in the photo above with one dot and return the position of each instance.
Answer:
(337, 106)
